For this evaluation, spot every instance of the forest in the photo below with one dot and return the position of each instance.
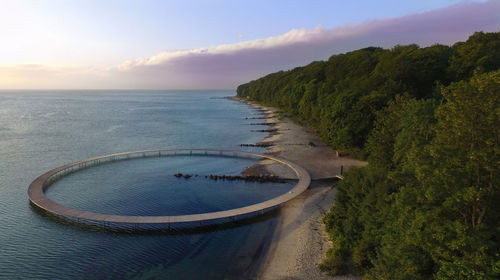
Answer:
(427, 120)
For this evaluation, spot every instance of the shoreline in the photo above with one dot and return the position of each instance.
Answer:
(299, 242)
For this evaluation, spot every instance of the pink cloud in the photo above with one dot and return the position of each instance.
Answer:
(226, 66)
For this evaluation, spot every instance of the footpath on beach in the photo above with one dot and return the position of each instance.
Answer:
(300, 241)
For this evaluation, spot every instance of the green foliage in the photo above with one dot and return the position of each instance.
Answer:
(341, 97)
(426, 205)
(480, 52)
(428, 121)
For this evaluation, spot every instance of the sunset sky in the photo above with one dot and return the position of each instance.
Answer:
(89, 44)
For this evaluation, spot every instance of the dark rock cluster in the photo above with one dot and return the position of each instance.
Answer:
(260, 178)
(186, 176)
(264, 145)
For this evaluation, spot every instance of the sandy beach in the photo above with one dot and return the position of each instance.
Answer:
(300, 242)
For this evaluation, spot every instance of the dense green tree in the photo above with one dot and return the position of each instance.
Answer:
(480, 52)
(356, 85)
(463, 187)
(425, 207)
(428, 122)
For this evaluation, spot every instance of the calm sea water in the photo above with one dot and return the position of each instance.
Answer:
(40, 130)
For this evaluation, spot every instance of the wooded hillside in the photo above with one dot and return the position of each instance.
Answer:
(428, 122)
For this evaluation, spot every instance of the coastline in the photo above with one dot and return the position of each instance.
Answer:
(300, 241)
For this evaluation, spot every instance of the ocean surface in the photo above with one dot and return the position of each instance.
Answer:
(41, 130)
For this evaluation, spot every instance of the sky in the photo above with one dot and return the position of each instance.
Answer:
(209, 44)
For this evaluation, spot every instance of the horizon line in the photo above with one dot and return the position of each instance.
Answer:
(105, 89)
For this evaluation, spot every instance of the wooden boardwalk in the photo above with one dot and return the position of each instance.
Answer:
(39, 185)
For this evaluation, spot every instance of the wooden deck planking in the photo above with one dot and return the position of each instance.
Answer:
(37, 196)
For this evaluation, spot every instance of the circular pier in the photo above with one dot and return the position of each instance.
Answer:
(39, 185)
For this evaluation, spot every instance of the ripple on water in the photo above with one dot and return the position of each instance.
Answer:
(81, 124)
(147, 187)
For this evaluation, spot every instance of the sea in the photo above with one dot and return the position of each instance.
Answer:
(41, 130)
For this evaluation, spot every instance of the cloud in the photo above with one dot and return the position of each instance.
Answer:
(226, 66)
(34, 76)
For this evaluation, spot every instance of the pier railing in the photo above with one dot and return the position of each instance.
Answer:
(36, 192)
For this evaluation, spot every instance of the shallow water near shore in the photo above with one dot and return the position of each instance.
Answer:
(40, 130)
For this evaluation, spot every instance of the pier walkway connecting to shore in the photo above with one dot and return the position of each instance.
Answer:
(36, 193)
